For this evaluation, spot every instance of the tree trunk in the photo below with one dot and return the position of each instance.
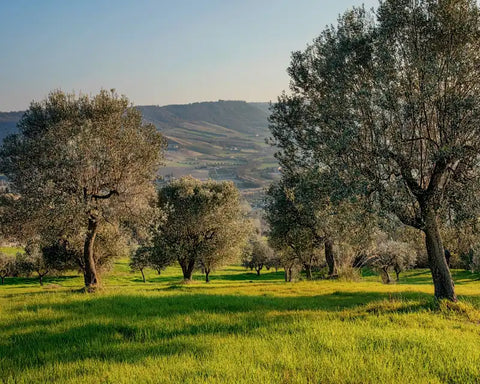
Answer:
(187, 268)
(442, 279)
(286, 275)
(3, 279)
(330, 258)
(258, 270)
(448, 255)
(207, 275)
(90, 272)
(397, 272)
(388, 280)
(308, 271)
(143, 275)
(40, 278)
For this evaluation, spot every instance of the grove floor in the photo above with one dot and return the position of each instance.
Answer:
(239, 328)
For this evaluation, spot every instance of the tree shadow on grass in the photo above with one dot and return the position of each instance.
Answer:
(249, 276)
(33, 280)
(424, 277)
(131, 328)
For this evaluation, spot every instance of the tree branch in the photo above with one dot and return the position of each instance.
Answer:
(107, 196)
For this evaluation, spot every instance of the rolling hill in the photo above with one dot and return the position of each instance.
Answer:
(224, 140)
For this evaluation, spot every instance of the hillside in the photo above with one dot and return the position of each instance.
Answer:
(238, 116)
(224, 140)
(8, 123)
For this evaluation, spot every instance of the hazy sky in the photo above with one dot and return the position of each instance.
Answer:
(156, 52)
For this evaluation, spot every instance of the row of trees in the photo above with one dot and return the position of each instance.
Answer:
(83, 172)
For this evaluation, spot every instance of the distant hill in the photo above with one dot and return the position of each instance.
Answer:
(239, 116)
(265, 107)
(8, 123)
(223, 140)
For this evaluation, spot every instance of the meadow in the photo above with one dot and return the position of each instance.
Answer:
(239, 328)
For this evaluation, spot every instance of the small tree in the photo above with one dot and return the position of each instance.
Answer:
(160, 255)
(290, 263)
(274, 262)
(203, 224)
(7, 266)
(260, 254)
(141, 259)
(33, 260)
(388, 255)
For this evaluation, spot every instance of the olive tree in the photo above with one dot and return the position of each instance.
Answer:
(140, 260)
(203, 225)
(79, 167)
(390, 254)
(389, 105)
(290, 229)
(258, 254)
(303, 217)
(33, 261)
(7, 266)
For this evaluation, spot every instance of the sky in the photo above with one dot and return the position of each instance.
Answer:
(156, 52)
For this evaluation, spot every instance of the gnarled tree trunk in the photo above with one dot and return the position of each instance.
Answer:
(442, 279)
(308, 271)
(386, 275)
(330, 258)
(90, 271)
(397, 273)
(188, 265)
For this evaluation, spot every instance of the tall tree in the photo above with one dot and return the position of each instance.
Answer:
(390, 105)
(78, 166)
(204, 224)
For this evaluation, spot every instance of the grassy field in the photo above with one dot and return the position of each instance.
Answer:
(240, 328)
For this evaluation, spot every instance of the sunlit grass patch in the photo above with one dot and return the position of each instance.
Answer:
(12, 251)
(239, 328)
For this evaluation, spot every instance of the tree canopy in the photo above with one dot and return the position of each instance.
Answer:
(81, 169)
(389, 105)
(203, 227)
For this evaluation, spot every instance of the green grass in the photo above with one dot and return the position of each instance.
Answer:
(240, 328)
